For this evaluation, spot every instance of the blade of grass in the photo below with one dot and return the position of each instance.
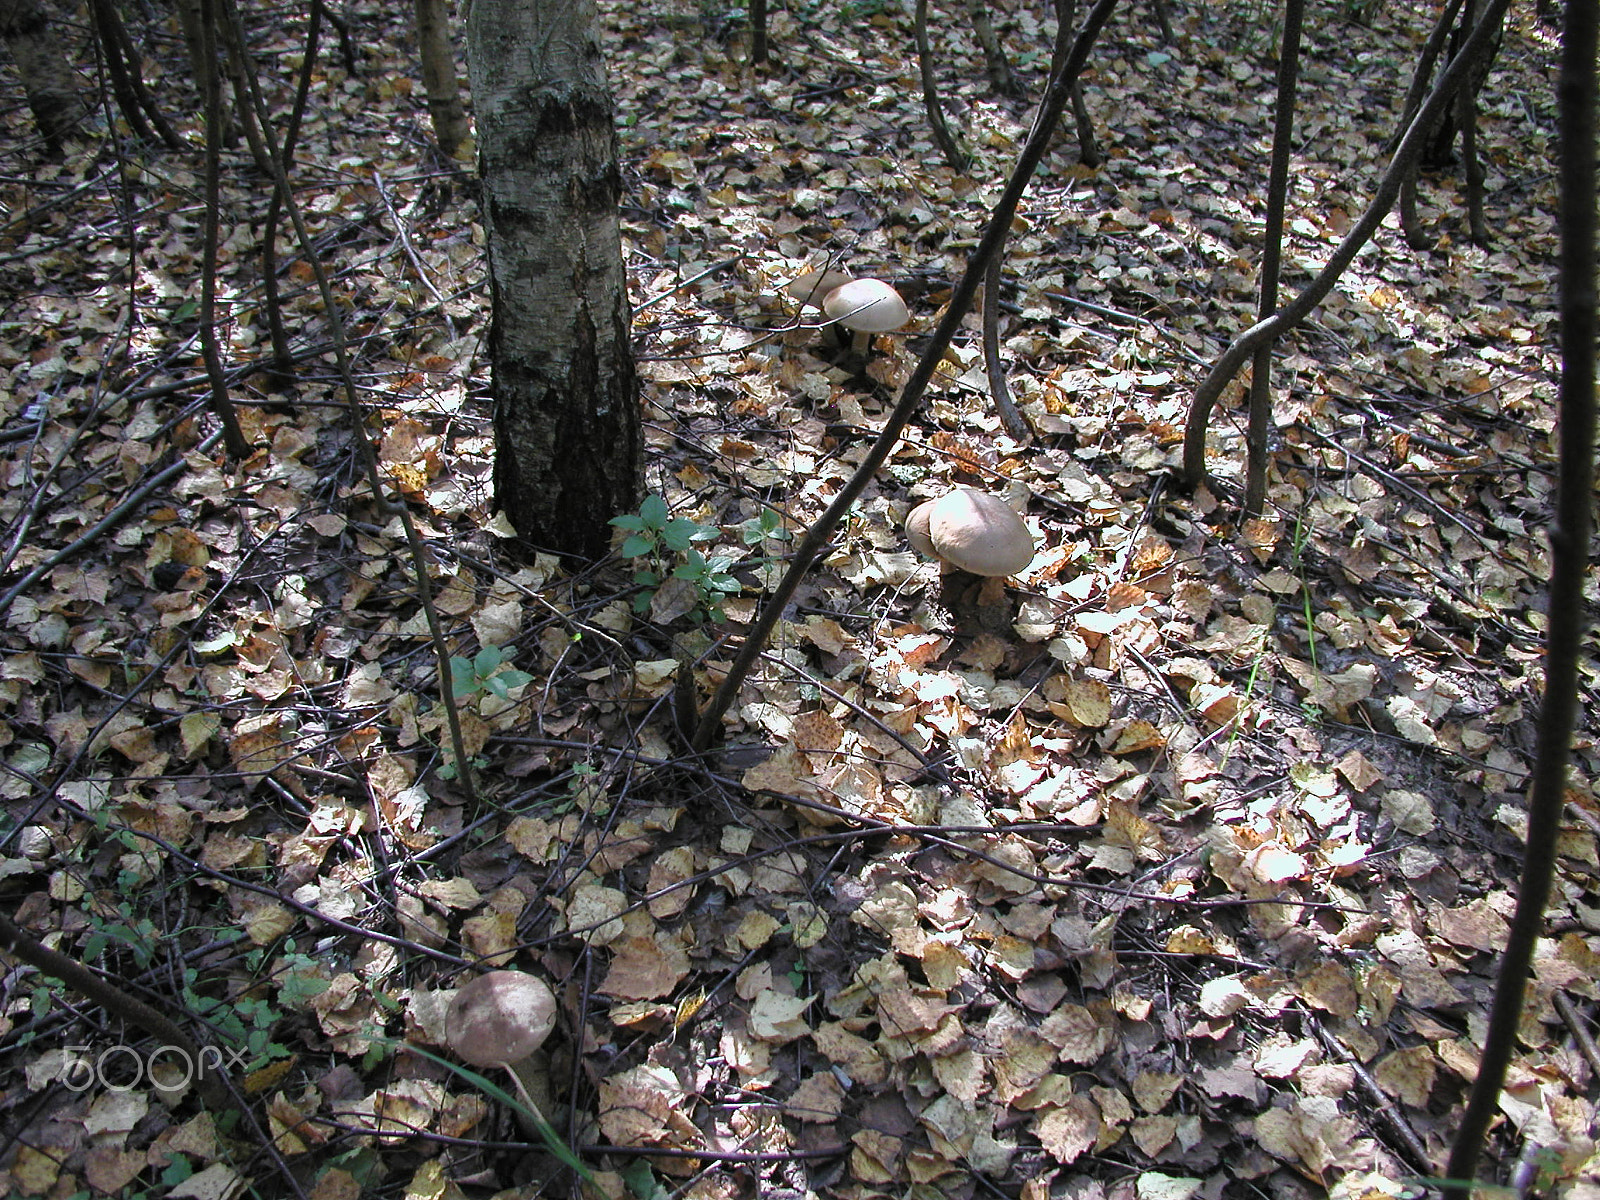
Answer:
(494, 1091)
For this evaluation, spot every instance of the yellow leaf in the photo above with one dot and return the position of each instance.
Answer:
(1328, 986)
(195, 729)
(1408, 1074)
(1138, 735)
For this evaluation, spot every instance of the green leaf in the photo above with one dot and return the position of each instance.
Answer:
(635, 546)
(178, 1169)
(653, 512)
(488, 659)
(641, 1180)
(679, 534)
(630, 521)
(693, 566)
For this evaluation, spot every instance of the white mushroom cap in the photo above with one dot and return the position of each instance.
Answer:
(917, 529)
(869, 305)
(500, 1018)
(811, 287)
(973, 531)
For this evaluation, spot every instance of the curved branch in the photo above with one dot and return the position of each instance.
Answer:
(1286, 318)
(208, 1078)
(966, 288)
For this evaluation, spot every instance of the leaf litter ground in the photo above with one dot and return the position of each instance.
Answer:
(1177, 868)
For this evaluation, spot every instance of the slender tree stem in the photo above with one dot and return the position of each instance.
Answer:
(1569, 561)
(282, 355)
(954, 155)
(1255, 491)
(232, 433)
(961, 297)
(1286, 318)
(274, 160)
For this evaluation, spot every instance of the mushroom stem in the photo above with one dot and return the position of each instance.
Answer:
(501, 1020)
(525, 1073)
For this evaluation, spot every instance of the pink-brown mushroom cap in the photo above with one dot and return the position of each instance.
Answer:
(500, 1018)
(973, 531)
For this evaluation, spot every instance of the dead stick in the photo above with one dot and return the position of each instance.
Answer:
(209, 1079)
(960, 301)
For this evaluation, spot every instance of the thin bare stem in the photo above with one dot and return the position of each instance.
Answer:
(363, 442)
(1569, 562)
(948, 146)
(999, 389)
(961, 297)
(1255, 490)
(232, 433)
(1286, 318)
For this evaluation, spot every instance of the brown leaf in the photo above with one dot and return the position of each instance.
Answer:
(818, 1100)
(905, 1012)
(1153, 1134)
(645, 968)
(644, 1106)
(857, 1056)
(1081, 1034)
(1358, 770)
(1479, 924)
(1137, 735)
(1152, 1089)
(1407, 1074)
(1066, 1132)
(1024, 1060)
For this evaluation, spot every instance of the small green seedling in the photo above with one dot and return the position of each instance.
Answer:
(710, 579)
(485, 671)
(652, 533)
(666, 543)
(676, 579)
(769, 525)
(449, 770)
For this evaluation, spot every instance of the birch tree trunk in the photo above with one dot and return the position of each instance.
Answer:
(566, 410)
(47, 78)
(439, 74)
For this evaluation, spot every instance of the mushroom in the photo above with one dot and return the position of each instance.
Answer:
(811, 287)
(972, 531)
(866, 306)
(499, 1020)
